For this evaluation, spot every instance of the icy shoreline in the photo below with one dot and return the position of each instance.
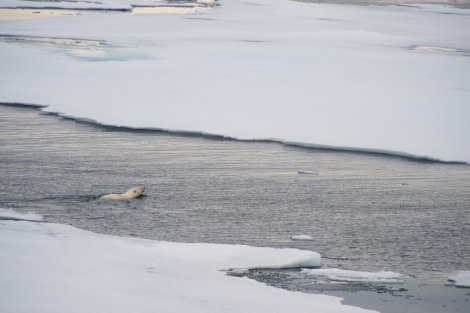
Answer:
(60, 268)
(308, 146)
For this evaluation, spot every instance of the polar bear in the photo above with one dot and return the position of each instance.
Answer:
(131, 193)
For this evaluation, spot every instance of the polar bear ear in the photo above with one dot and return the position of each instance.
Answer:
(135, 191)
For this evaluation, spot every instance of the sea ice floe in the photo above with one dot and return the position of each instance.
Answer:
(341, 275)
(6, 214)
(329, 75)
(59, 268)
(461, 279)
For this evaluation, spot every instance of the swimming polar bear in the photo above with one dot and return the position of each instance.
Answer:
(131, 193)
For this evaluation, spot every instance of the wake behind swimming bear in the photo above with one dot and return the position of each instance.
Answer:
(131, 193)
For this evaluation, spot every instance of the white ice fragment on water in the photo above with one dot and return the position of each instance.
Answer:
(7, 214)
(461, 279)
(340, 275)
(280, 258)
(301, 237)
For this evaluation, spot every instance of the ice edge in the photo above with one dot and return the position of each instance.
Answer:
(219, 137)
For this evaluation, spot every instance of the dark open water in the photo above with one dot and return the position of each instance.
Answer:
(365, 212)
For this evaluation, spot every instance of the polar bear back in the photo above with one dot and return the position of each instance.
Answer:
(131, 193)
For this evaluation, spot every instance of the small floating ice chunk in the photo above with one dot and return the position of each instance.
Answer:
(307, 173)
(461, 279)
(340, 275)
(301, 237)
(6, 214)
(279, 258)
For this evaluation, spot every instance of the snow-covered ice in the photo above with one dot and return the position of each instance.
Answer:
(341, 275)
(461, 279)
(388, 78)
(57, 268)
(7, 214)
(391, 78)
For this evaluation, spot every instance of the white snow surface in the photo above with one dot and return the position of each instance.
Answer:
(340, 275)
(391, 78)
(13, 215)
(461, 279)
(57, 268)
